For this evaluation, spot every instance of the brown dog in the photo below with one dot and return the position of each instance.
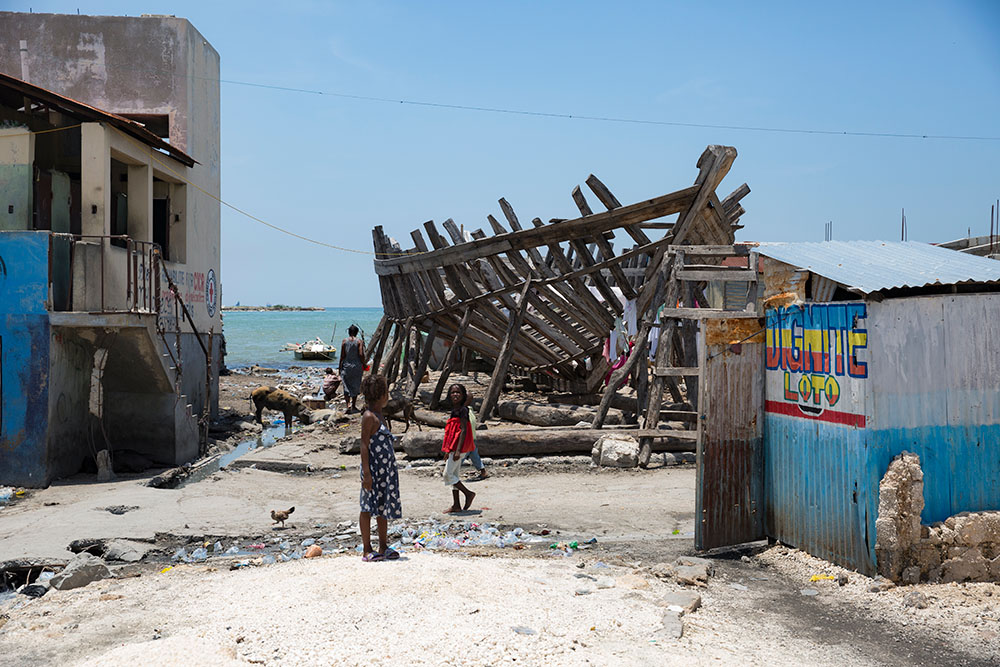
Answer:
(399, 404)
(275, 399)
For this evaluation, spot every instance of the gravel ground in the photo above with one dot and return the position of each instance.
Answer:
(967, 614)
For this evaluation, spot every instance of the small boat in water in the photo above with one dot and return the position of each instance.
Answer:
(314, 350)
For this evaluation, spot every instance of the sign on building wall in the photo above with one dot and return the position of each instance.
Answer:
(816, 362)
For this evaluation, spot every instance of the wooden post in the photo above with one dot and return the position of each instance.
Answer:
(503, 359)
(655, 397)
(373, 341)
(380, 346)
(450, 358)
(619, 376)
(424, 358)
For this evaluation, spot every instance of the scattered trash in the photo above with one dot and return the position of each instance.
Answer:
(166, 569)
(605, 582)
(821, 577)
(314, 551)
(842, 579)
(739, 587)
(584, 591)
(592, 540)
(809, 592)
(6, 493)
(599, 565)
(523, 630)
(34, 590)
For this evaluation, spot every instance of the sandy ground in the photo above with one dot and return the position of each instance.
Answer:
(455, 607)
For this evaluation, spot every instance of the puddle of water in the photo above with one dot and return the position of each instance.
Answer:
(265, 439)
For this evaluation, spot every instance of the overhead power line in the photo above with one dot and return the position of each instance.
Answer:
(610, 119)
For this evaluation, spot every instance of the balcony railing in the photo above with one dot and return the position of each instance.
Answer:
(90, 273)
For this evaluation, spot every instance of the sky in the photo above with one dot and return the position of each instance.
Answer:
(331, 167)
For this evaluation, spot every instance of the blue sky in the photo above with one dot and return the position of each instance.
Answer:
(331, 168)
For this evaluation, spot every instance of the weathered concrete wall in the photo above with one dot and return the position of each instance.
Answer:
(24, 357)
(16, 157)
(144, 423)
(71, 361)
(139, 65)
(964, 547)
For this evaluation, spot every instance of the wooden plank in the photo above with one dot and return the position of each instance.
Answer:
(424, 358)
(373, 342)
(734, 250)
(611, 202)
(607, 252)
(597, 223)
(707, 314)
(503, 359)
(581, 293)
(675, 371)
(450, 358)
(718, 274)
(549, 292)
(654, 398)
(464, 288)
(713, 166)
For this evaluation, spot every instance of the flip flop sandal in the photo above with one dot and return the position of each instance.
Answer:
(390, 554)
(373, 557)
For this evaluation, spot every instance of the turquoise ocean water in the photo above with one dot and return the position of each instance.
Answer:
(256, 338)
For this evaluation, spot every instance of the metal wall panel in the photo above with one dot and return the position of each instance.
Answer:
(729, 499)
(931, 386)
(936, 393)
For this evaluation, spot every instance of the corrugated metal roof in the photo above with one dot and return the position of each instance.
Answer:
(871, 266)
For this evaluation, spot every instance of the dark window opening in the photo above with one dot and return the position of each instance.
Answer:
(158, 124)
(161, 225)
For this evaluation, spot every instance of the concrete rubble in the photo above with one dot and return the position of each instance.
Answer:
(963, 547)
(83, 569)
(616, 451)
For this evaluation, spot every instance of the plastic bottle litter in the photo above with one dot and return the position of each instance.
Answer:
(523, 630)
(308, 542)
(201, 553)
(181, 554)
(217, 547)
(6, 493)
(267, 560)
(233, 550)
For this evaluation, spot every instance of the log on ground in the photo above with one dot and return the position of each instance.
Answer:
(550, 414)
(543, 441)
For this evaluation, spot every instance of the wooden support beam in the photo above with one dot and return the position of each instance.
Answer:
(607, 252)
(377, 339)
(425, 356)
(450, 358)
(503, 359)
(587, 226)
(611, 202)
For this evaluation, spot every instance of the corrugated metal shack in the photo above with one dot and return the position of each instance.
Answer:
(873, 348)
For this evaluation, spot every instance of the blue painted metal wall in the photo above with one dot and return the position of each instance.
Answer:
(24, 357)
(931, 386)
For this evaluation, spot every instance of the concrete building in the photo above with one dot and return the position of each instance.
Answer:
(110, 331)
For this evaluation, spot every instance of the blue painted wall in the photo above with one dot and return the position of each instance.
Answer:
(24, 358)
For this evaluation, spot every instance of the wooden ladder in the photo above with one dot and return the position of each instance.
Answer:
(677, 352)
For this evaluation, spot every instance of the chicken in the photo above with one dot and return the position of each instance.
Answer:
(281, 515)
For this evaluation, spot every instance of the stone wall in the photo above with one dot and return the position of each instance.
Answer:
(963, 547)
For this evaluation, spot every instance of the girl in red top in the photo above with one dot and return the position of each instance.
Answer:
(457, 443)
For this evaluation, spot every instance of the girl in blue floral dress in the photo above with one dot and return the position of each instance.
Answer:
(379, 477)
